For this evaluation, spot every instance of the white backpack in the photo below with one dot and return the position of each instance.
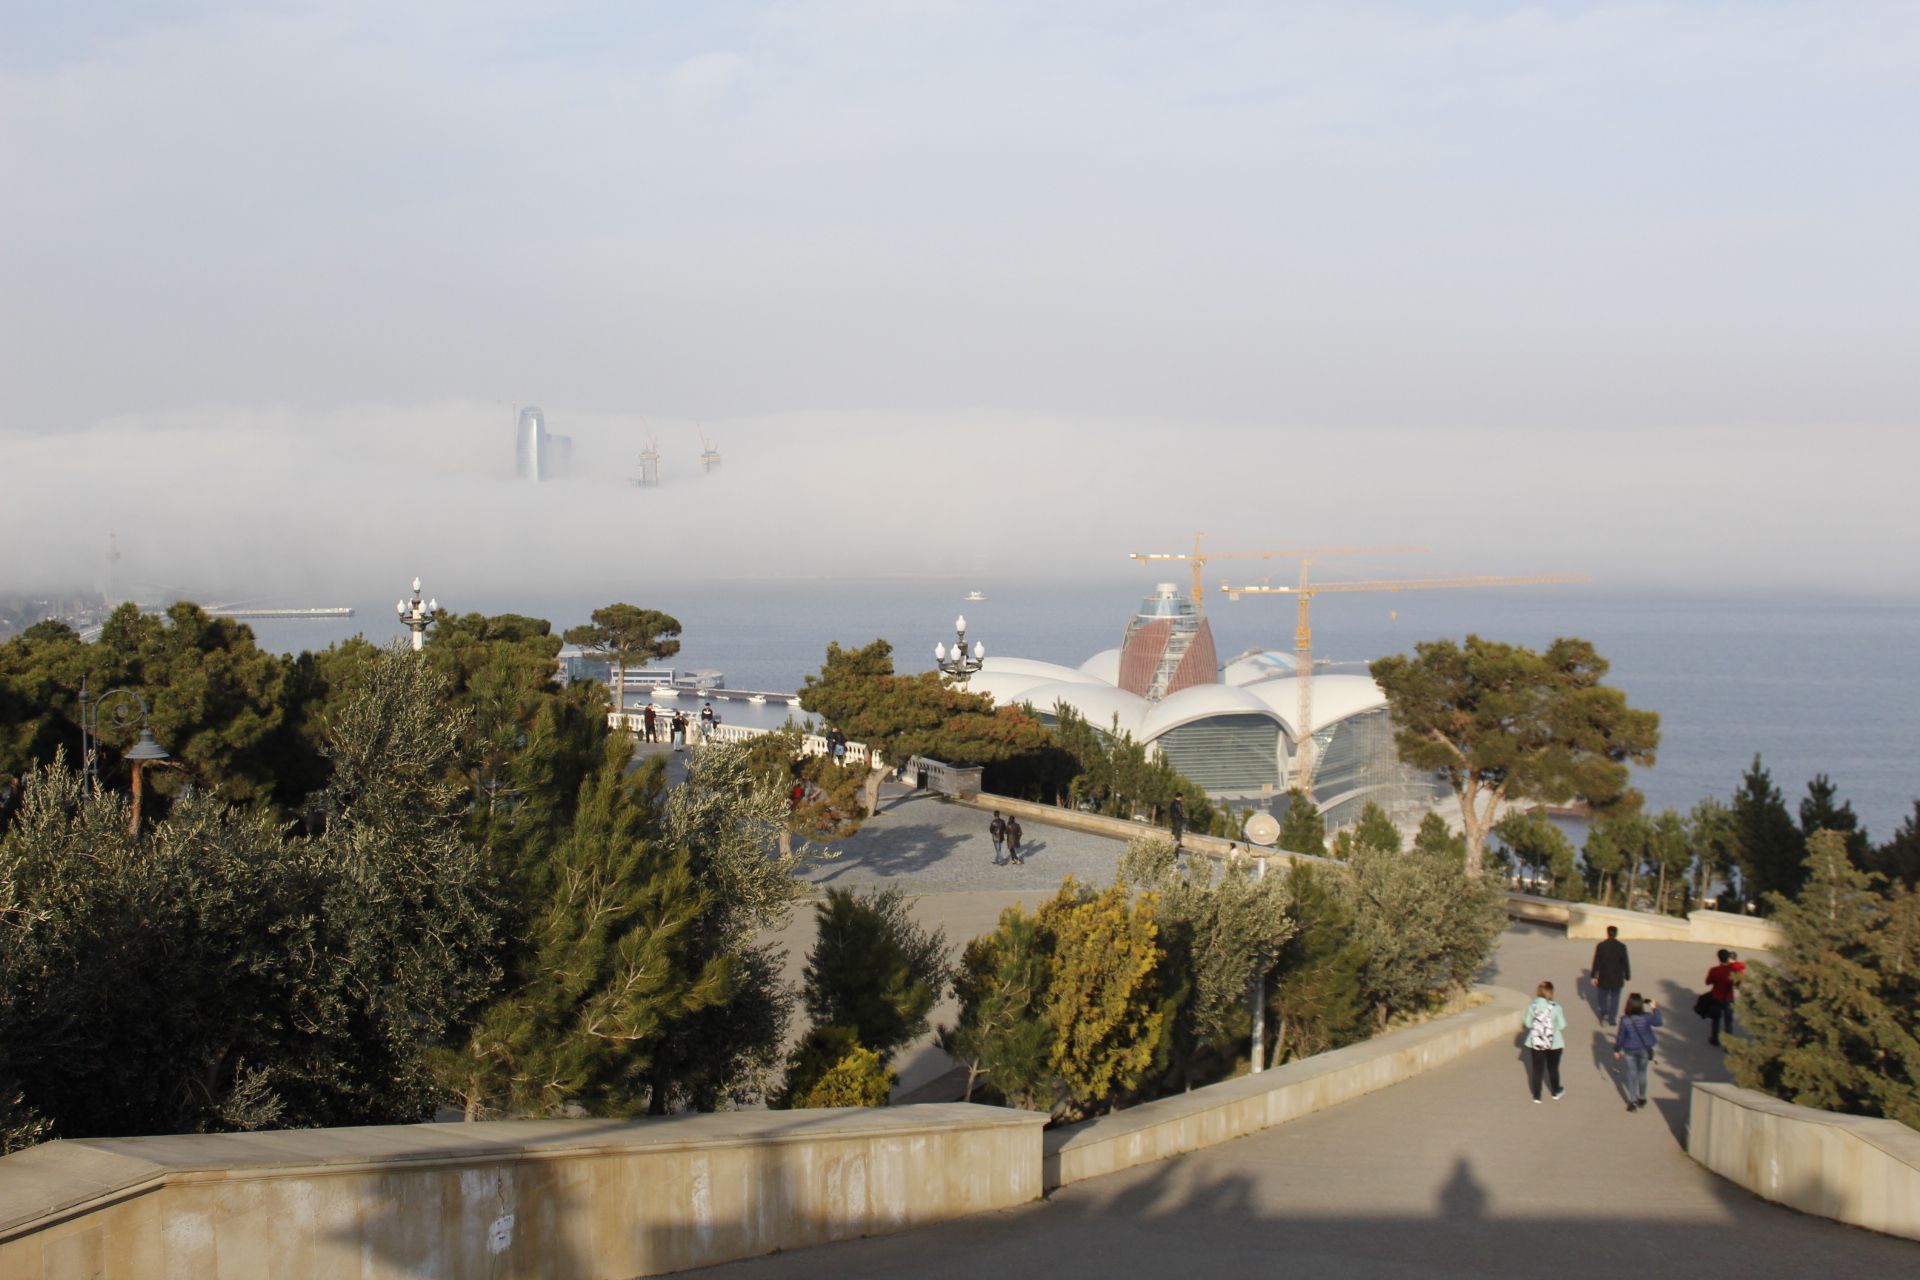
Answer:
(1540, 1030)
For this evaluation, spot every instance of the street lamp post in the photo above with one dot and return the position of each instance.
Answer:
(146, 749)
(960, 664)
(418, 616)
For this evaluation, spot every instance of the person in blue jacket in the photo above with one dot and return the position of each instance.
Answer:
(1633, 1044)
(1544, 1032)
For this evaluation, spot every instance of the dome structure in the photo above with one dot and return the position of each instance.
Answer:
(1233, 730)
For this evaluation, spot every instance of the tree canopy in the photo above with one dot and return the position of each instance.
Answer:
(1504, 723)
(899, 716)
(627, 634)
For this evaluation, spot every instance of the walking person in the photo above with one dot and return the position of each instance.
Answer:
(1722, 979)
(1611, 971)
(1013, 842)
(648, 717)
(1545, 1028)
(1177, 820)
(837, 744)
(1633, 1044)
(998, 830)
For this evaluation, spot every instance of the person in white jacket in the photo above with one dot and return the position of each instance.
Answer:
(1544, 1032)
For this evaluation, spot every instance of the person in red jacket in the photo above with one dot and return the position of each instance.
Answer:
(1722, 980)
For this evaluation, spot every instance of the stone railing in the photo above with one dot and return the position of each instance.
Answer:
(1247, 1104)
(564, 1199)
(812, 744)
(1849, 1168)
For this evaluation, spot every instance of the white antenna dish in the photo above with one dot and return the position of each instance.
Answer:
(1262, 828)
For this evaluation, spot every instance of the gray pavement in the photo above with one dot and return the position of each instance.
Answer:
(923, 844)
(1455, 1173)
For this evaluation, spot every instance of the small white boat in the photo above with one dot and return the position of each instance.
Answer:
(666, 691)
(758, 697)
(974, 595)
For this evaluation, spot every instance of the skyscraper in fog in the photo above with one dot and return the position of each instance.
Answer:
(530, 460)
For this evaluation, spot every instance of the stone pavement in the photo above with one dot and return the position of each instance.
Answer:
(920, 843)
(1456, 1173)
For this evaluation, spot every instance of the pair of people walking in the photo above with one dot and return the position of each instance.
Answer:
(1005, 832)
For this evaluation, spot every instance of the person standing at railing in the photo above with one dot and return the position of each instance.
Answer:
(648, 717)
(706, 723)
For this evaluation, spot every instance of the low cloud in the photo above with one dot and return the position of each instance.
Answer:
(232, 502)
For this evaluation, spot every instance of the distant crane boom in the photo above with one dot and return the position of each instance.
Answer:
(1304, 593)
(1198, 557)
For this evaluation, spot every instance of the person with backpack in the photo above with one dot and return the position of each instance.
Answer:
(1611, 972)
(998, 830)
(1633, 1044)
(1544, 1027)
(1722, 979)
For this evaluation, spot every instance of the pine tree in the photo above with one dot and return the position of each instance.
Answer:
(612, 966)
(1302, 830)
(1821, 810)
(1899, 858)
(1002, 1035)
(1375, 830)
(1833, 1023)
(1318, 1000)
(872, 970)
(1772, 849)
(1532, 840)
(1436, 839)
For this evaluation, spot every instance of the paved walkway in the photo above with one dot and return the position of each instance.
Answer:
(1455, 1173)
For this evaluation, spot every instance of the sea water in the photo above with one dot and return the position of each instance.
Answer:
(1812, 686)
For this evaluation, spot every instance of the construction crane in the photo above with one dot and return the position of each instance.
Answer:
(1302, 778)
(1198, 558)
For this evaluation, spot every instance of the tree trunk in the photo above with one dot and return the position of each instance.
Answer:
(620, 686)
(872, 788)
(470, 1111)
(138, 790)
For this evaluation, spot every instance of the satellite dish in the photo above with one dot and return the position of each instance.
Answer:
(1262, 828)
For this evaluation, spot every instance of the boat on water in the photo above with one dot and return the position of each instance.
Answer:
(974, 595)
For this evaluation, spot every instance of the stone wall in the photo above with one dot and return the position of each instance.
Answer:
(560, 1200)
(1848, 1168)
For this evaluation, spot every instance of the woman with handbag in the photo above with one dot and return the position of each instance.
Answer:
(1633, 1044)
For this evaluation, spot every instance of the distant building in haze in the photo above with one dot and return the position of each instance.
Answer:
(530, 445)
(539, 455)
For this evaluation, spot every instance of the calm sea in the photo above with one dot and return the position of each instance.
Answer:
(1812, 686)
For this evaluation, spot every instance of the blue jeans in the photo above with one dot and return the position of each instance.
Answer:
(1637, 1060)
(1608, 1003)
(996, 851)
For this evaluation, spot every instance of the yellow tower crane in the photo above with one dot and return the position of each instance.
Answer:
(1197, 559)
(1302, 775)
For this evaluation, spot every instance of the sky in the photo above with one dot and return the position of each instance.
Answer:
(1622, 288)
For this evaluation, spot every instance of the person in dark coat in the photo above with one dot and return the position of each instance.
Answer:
(998, 830)
(1177, 819)
(647, 716)
(1013, 841)
(1611, 971)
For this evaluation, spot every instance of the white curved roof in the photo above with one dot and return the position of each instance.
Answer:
(1104, 666)
(1098, 704)
(1263, 664)
(1034, 667)
(1202, 702)
(1008, 687)
(1335, 697)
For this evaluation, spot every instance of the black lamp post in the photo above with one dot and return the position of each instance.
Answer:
(143, 751)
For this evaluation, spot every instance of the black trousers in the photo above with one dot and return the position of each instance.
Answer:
(1543, 1060)
(1720, 1016)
